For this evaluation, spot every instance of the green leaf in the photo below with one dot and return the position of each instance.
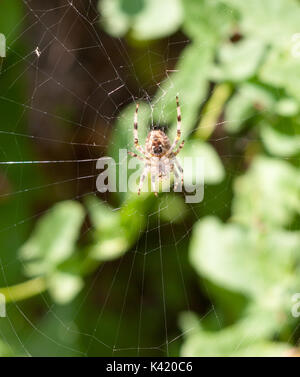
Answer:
(283, 139)
(5, 350)
(64, 286)
(142, 17)
(287, 107)
(270, 21)
(192, 89)
(249, 100)
(238, 61)
(281, 69)
(53, 239)
(175, 209)
(213, 168)
(133, 215)
(265, 349)
(244, 260)
(207, 21)
(114, 20)
(268, 193)
(110, 246)
(10, 16)
(151, 25)
(109, 239)
(123, 227)
(103, 216)
(245, 338)
(214, 253)
(2, 46)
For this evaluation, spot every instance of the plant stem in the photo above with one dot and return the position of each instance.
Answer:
(24, 290)
(213, 110)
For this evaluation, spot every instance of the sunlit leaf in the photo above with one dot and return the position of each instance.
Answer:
(151, 25)
(109, 239)
(265, 349)
(283, 139)
(63, 286)
(141, 17)
(248, 101)
(269, 21)
(206, 21)
(190, 83)
(53, 239)
(123, 227)
(245, 338)
(102, 215)
(268, 193)
(281, 69)
(218, 251)
(114, 20)
(287, 107)
(213, 170)
(238, 61)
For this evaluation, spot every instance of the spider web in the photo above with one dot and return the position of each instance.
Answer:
(61, 126)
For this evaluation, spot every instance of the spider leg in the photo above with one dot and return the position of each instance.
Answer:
(178, 128)
(179, 167)
(135, 132)
(177, 177)
(153, 184)
(143, 176)
(136, 155)
(179, 148)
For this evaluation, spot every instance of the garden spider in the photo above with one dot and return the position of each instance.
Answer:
(159, 156)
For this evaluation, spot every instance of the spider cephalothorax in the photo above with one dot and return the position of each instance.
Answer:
(159, 155)
(157, 143)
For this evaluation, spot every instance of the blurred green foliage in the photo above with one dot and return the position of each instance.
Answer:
(247, 258)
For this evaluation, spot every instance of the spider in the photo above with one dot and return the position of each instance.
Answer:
(159, 156)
